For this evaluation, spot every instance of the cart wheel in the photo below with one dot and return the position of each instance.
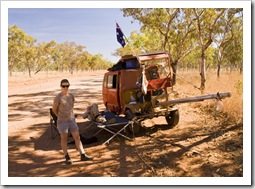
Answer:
(53, 130)
(173, 118)
(136, 125)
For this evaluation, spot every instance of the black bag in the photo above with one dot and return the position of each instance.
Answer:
(85, 140)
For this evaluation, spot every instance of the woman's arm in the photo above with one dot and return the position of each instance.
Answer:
(55, 106)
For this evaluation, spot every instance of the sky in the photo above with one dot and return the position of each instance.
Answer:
(94, 28)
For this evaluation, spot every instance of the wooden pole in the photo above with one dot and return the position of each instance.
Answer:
(217, 96)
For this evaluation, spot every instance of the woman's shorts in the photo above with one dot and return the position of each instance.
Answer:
(64, 126)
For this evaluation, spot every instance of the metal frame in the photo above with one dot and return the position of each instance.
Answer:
(107, 127)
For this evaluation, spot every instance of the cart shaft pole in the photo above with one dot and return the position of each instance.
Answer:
(196, 99)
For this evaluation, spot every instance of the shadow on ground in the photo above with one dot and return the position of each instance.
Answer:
(150, 153)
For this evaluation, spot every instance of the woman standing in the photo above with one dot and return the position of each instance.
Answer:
(63, 108)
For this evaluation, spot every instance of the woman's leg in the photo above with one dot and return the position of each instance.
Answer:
(63, 130)
(64, 147)
(77, 140)
(76, 135)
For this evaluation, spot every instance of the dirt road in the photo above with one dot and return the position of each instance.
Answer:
(199, 146)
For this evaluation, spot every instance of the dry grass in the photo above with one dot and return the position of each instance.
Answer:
(232, 110)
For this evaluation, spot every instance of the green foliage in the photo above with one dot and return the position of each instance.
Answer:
(176, 31)
(21, 50)
(196, 38)
(140, 43)
(24, 54)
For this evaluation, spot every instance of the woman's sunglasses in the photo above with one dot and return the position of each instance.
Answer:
(64, 86)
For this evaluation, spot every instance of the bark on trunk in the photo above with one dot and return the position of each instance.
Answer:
(29, 72)
(218, 70)
(219, 62)
(174, 67)
(202, 72)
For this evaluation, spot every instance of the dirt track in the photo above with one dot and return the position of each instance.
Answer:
(198, 146)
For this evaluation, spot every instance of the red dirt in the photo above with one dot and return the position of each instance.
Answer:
(199, 146)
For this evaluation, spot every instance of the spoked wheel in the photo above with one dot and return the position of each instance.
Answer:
(53, 130)
(135, 127)
(173, 118)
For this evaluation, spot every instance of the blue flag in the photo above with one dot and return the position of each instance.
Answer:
(120, 35)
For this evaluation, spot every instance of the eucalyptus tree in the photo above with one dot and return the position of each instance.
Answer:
(182, 38)
(77, 52)
(65, 52)
(71, 53)
(206, 25)
(16, 45)
(138, 43)
(82, 61)
(227, 31)
(173, 28)
(57, 57)
(234, 51)
(68, 54)
(21, 50)
(44, 58)
(190, 61)
(95, 61)
(30, 53)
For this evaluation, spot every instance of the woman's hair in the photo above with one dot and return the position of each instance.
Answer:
(63, 81)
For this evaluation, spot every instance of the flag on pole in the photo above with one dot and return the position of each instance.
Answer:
(120, 35)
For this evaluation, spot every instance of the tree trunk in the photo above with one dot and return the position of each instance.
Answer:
(218, 70)
(174, 67)
(202, 72)
(241, 68)
(10, 67)
(219, 61)
(10, 73)
(29, 72)
(72, 67)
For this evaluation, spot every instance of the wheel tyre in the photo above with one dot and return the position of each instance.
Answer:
(136, 125)
(173, 118)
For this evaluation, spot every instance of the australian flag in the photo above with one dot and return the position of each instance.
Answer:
(120, 35)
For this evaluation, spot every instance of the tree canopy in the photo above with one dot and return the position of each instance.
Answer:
(196, 38)
(25, 54)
